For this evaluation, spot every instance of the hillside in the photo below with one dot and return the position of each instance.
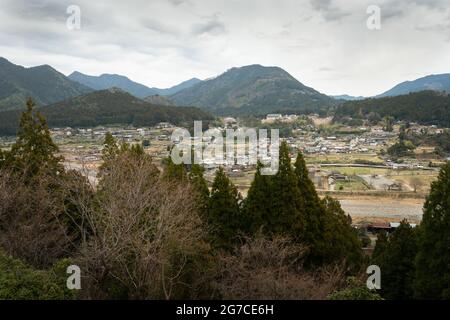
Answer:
(107, 81)
(253, 90)
(43, 83)
(440, 82)
(112, 106)
(427, 107)
(159, 100)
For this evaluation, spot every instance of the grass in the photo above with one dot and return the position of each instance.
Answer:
(342, 158)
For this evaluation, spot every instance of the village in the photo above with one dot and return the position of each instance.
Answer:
(349, 163)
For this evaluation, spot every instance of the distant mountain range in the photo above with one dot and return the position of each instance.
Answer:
(43, 83)
(104, 107)
(253, 90)
(439, 82)
(346, 97)
(106, 81)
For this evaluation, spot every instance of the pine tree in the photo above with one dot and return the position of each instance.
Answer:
(34, 150)
(257, 207)
(200, 186)
(433, 259)
(314, 213)
(396, 262)
(224, 212)
(174, 172)
(287, 217)
(380, 247)
(340, 238)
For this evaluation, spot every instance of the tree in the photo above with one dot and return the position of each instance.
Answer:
(396, 262)
(433, 258)
(174, 172)
(257, 207)
(313, 210)
(341, 241)
(388, 122)
(200, 187)
(34, 150)
(224, 216)
(380, 247)
(287, 217)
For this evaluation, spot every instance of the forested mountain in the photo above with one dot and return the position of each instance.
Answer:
(439, 82)
(107, 81)
(427, 107)
(253, 90)
(43, 83)
(112, 106)
(159, 100)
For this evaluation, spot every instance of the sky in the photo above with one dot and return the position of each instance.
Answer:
(325, 44)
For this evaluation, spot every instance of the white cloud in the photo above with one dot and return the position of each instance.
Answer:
(323, 43)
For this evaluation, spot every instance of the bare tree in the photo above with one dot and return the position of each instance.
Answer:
(145, 238)
(271, 269)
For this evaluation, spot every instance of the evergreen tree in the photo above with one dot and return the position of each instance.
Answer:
(314, 213)
(200, 186)
(174, 172)
(224, 212)
(433, 259)
(287, 217)
(34, 150)
(380, 248)
(257, 207)
(396, 262)
(340, 238)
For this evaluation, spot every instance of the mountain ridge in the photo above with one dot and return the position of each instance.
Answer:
(104, 107)
(109, 80)
(255, 90)
(45, 84)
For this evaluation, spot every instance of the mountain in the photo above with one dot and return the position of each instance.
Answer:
(439, 82)
(43, 83)
(104, 107)
(159, 100)
(253, 90)
(184, 85)
(346, 97)
(426, 107)
(107, 81)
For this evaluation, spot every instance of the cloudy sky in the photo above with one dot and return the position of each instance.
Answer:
(325, 44)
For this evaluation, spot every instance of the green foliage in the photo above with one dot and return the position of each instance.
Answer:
(257, 206)
(287, 204)
(427, 107)
(254, 90)
(43, 83)
(396, 261)
(224, 216)
(19, 281)
(105, 108)
(340, 239)
(433, 259)
(355, 291)
(34, 150)
(174, 172)
(400, 149)
(200, 187)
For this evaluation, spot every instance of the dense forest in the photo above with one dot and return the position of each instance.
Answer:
(112, 106)
(143, 233)
(425, 107)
